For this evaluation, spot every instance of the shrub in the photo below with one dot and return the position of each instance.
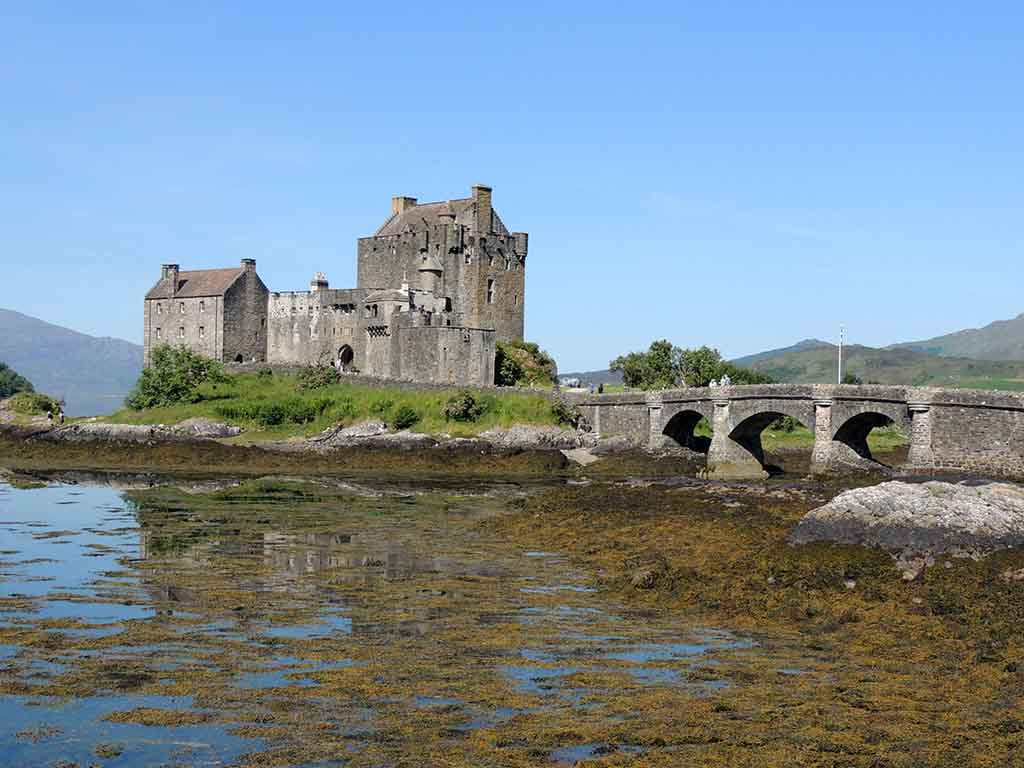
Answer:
(405, 417)
(34, 404)
(174, 376)
(784, 424)
(523, 363)
(264, 373)
(382, 406)
(568, 415)
(463, 407)
(317, 377)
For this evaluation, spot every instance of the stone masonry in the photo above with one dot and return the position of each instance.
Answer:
(438, 285)
(950, 430)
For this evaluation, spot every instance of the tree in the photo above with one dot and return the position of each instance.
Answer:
(11, 382)
(852, 378)
(657, 368)
(699, 367)
(173, 376)
(665, 365)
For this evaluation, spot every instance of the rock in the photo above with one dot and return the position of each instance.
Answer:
(644, 578)
(533, 438)
(201, 427)
(121, 433)
(914, 522)
(582, 456)
(370, 434)
(618, 444)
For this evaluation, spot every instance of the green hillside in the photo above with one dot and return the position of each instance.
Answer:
(891, 366)
(1001, 340)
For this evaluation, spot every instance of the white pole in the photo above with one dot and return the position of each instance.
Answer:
(839, 376)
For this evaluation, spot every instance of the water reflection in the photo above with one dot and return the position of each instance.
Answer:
(304, 618)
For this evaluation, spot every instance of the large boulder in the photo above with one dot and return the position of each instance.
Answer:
(917, 521)
(203, 428)
(533, 438)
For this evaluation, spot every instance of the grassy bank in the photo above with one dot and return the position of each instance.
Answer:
(275, 407)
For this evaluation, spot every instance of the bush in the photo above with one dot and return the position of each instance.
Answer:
(34, 404)
(784, 424)
(382, 406)
(264, 373)
(317, 377)
(568, 415)
(11, 383)
(463, 407)
(173, 376)
(523, 363)
(405, 417)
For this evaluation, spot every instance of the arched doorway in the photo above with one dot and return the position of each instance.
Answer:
(345, 355)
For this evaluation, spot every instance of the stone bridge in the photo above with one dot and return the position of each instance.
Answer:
(954, 430)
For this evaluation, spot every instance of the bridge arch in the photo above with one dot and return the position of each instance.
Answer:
(852, 434)
(747, 433)
(682, 429)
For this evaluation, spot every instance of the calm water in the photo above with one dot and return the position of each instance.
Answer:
(344, 625)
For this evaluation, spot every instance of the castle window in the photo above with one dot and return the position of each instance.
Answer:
(490, 291)
(263, 322)
(181, 331)
(202, 332)
(158, 334)
(469, 257)
(159, 309)
(515, 300)
(374, 310)
(202, 306)
(508, 264)
(181, 307)
(490, 259)
(447, 304)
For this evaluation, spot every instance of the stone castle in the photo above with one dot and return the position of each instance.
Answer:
(437, 286)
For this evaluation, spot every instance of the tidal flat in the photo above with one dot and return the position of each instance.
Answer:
(465, 621)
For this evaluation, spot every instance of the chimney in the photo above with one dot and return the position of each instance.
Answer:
(170, 272)
(399, 204)
(249, 265)
(482, 198)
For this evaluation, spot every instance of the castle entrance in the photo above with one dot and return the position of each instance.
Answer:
(345, 355)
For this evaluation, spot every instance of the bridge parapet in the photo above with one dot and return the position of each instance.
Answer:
(949, 429)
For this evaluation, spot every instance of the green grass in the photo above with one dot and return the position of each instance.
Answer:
(246, 399)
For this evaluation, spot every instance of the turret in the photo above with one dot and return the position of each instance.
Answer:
(430, 270)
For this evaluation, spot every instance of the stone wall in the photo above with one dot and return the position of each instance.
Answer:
(308, 327)
(196, 323)
(949, 430)
(245, 318)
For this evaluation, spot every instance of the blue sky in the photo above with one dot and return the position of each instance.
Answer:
(739, 174)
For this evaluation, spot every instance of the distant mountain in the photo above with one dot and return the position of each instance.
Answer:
(92, 374)
(889, 366)
(749, 361)
(1001, 340)
(594, 377)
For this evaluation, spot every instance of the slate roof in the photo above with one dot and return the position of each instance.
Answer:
(429, 214)
(197, 282)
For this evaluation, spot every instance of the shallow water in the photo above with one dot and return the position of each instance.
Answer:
(339, 625)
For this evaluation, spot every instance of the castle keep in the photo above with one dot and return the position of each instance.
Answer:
(437, 285)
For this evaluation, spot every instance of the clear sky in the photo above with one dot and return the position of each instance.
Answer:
(741, 174)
